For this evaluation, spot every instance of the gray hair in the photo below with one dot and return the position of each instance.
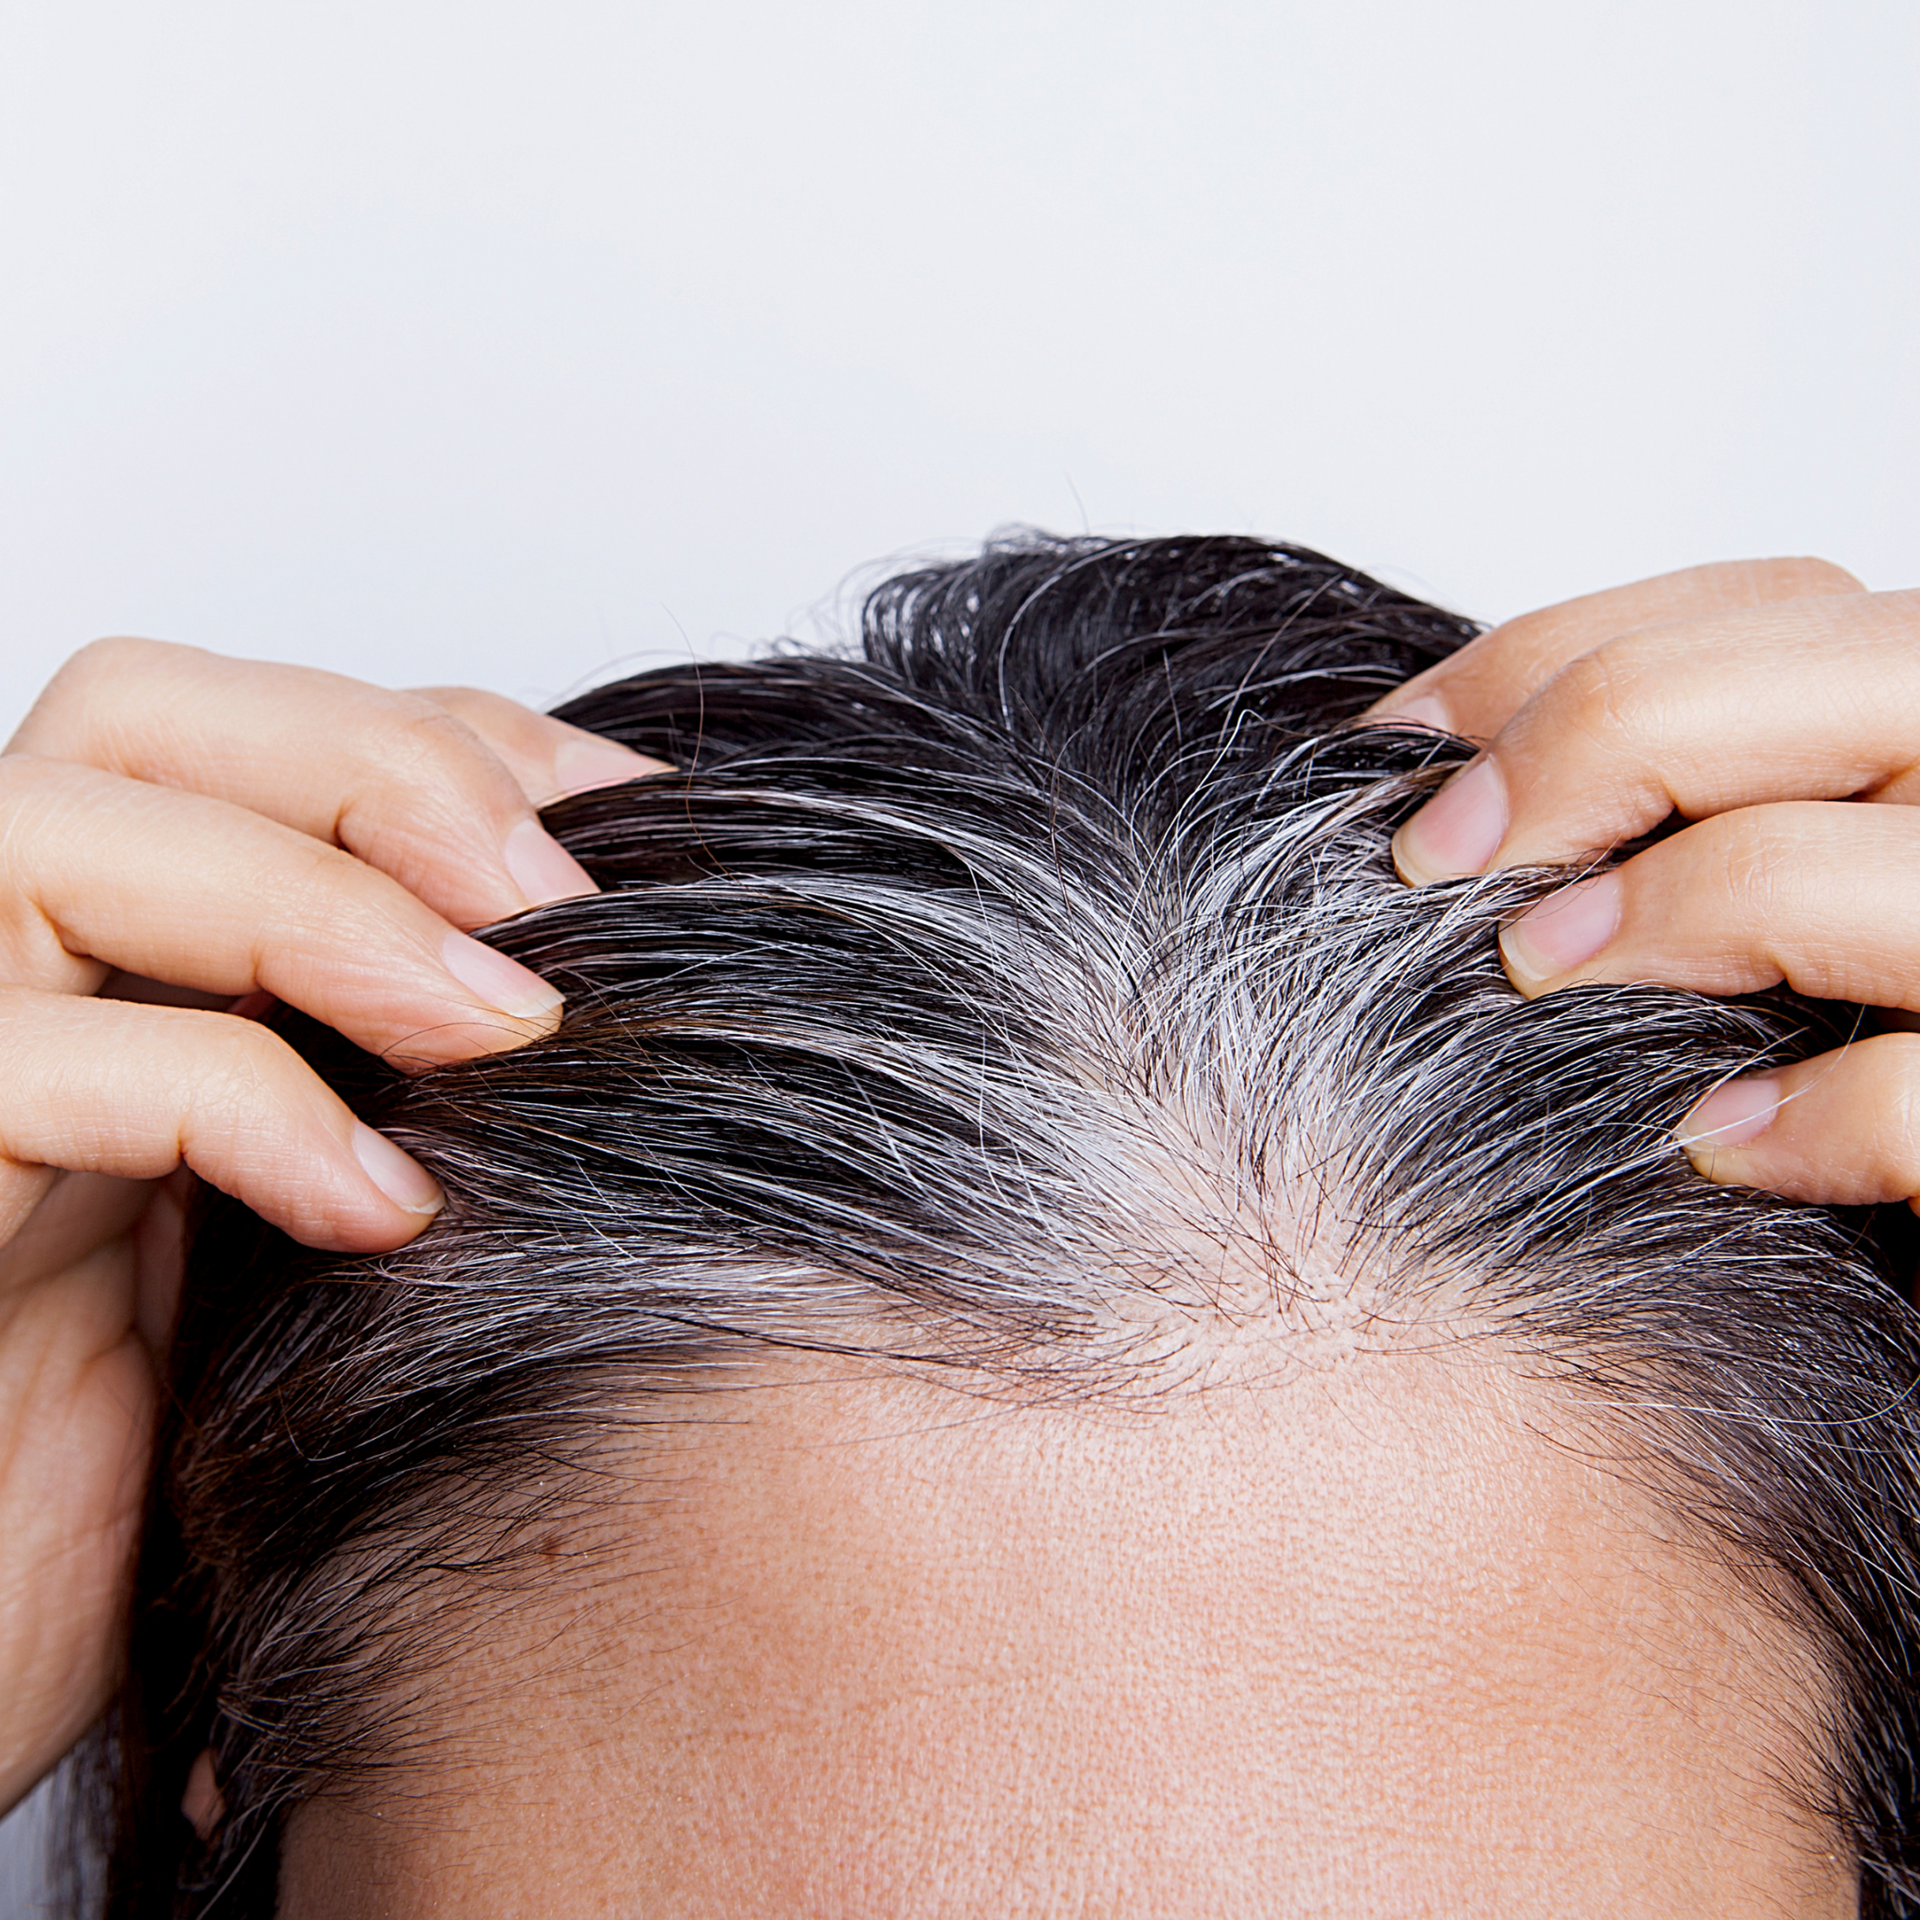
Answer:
(1019, 963)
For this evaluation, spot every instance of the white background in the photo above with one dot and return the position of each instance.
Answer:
(504, 343)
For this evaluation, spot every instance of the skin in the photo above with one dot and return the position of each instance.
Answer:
(184, 833)
(186, 829)
(1375, 1634)
(1759, 702)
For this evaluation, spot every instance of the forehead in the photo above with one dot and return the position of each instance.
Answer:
(1388, 1637)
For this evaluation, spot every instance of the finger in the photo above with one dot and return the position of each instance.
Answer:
(1817, 895)
(1842, 1129)
(548, 757)
(394, 778)
(1807, 699)
(160, 1240)
(1478, 690)
(76, 1412)
(98, 1086)
(73, 1215)
(97, 872)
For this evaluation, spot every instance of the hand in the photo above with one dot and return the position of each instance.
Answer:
(1757, 701)
(179, 827)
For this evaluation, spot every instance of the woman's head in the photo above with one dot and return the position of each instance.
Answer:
(1041, 1324)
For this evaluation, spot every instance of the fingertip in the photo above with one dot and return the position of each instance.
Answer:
(1566, 930)
(542, 868)
(399, 1177)
(1406, 860)
(1732, 1116)
(1423, 710)
(503, 985)
(587, 760)
(1724, 1166)
(1458, 832)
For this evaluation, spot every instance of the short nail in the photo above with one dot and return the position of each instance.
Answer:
(398, 1175)
(1427, 711)
(1732, 1115)
(542, 868)
(499, 983)
(1458, 831)
(1565, 930)
(579, 764)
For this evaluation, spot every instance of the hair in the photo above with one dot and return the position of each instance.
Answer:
(899, 999)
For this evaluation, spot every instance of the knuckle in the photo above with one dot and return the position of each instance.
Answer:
(1801, 576)
(458, 701)
(415, 743)
(422, 729)
(1747, 862)
(491, 722)
(116, 650)
(248, 1068)
(1609, 696)
(492, 718)
(64, 716)
(110, 659)
(319, 918)
(330, 901)
(103, 658)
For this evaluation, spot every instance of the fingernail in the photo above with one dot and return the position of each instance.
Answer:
(542, 868)
(588, 762)
(1458, 831)
(1564, 931)
(1732, 1115)
(500, 983)
(1427, 711)
(398, 1175)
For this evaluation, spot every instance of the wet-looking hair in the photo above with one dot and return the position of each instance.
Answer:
(962, 982)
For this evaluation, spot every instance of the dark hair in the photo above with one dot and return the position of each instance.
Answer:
(896, 996)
